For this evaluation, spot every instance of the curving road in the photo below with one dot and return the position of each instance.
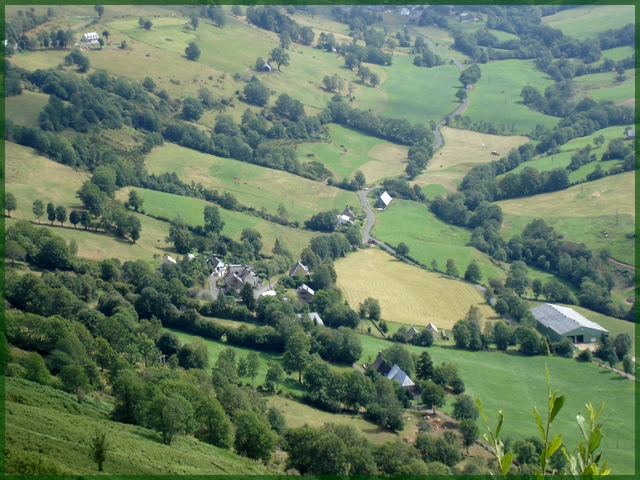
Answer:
(460, 108)
(366, 234)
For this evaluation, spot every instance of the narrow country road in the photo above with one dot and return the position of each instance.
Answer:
(366, 234)
(460, 108)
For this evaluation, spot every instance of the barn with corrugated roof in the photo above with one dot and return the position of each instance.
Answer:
(563, 322)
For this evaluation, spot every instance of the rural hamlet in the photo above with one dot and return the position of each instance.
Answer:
(323, 240)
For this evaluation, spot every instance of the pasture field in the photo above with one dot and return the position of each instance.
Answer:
(298, 414)
(603, 86)
(191, 210)
(376, 158)
(30, 176)
(53, 428)
(583, 216)
(608, 133)
(581, 173)
(587, 21)
(516, 384)
(601, 196)
(543, 164)
(433, 190)
(496, 97)
(24, 109)
(429, 238)
(407, 294)
(235, 48)
(419, 94)
(462, 150)
(618, 53)
(252, 185)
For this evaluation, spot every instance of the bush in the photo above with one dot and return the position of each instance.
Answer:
(584, 356)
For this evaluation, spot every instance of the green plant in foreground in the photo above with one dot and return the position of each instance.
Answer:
(583, 463)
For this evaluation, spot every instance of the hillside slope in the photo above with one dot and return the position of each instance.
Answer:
(43, 424)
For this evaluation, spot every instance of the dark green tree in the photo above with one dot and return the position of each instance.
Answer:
(74, 217)
(171, 415)
(100, 10)
(246, 294)
(296, 354)
(279, 56)
(38, 209)
(212, 424)
(464, 408)
(402, 249)
(622, 345)
(99, 448)
(452, 269)
(192, 109)
(254, 436)
(274, 376)
(10, 203)
(192, 51)
(473, 274)
(432, 395)
(424, 366)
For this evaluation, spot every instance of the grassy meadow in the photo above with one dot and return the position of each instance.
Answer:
(252, 185)
(350, 150)
(298, 414)
(496, 97)
(24, 109)
(54, 429)
(521, 384)
(429, 238)
(603, 86)
(462, 150)
(407, 295)
(191, 210)
(586, 211)
(608, 133)
(419, 94)
(587, 21)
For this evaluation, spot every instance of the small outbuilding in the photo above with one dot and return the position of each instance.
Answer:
(384, 200)
(299, 269)
(411, 332)
(563, 322)
(167, 260)
(305, 293)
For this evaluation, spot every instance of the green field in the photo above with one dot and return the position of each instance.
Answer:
(586, 211)
(496, 97)
(429, 238)
(298, 414)
(350, 150)
(603, 86)
(618, 53)
(407, 294)
(252, 185)
(588, 20)
(608, 133)
(516, 384)
(24, 109)
(53, 428)
(191, 210)
(420, 94)
(580, 174)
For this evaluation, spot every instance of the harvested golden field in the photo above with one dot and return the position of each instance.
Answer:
(390, 161)
(463, 149)
(407, 294)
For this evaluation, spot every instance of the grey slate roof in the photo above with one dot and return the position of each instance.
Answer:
(562, 319)
(399, 376)
(380, 365)
(412, 331)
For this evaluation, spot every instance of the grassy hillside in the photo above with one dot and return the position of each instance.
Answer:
(43, 423)
(463, 150)
(24, 109)
(521, 384)
(191, 211)
(496, 97)
(588, 20)
(603, 86)
(420, 94)
(586, 212)
(608, 133)
(429, 238)
(350, 150)
(406, 294)
(252, 185)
